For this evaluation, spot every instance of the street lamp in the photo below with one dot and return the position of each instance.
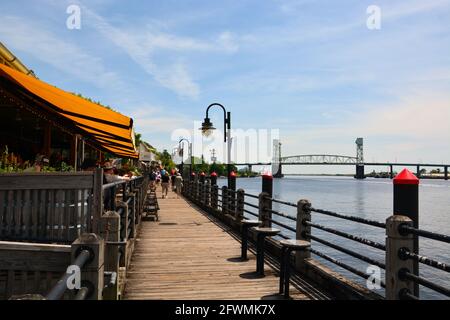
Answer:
(182, 155)
(207, 129)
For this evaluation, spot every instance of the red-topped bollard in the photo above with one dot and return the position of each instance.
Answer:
(406, 203)
(232, 181)
(202, 177)
(267, 183)
(213, 178)
(192, 184)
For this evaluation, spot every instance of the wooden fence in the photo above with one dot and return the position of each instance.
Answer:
(49, 207)
(43, 217)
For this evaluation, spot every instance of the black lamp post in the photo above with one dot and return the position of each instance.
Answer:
(182, 156)
(207, 128)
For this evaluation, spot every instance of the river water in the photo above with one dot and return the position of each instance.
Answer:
(371, 199)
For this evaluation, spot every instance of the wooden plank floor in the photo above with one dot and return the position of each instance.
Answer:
(186, 256)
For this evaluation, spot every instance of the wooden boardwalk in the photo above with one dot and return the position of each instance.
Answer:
(186, 255)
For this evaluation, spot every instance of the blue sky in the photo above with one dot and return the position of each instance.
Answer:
(311, 69)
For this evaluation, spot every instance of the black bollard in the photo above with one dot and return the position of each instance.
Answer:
(231, 193)
(267, 184)
(213, 178)
(202, 177)
(406, 203)
(232, 181)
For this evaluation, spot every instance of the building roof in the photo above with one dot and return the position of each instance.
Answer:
(109, 129)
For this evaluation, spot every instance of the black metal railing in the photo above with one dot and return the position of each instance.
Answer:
(60, 288)
(238, 204)
(406, 254)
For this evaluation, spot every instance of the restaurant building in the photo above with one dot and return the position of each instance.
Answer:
(39, 119)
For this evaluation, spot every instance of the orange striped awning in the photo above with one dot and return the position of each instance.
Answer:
(107, 128)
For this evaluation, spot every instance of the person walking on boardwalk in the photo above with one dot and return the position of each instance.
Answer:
(172, 179)
(178, 184)
(165, 181)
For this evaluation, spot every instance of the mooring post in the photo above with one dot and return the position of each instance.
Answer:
(193, 178)
(110, 226)
(396, 285)
(208, 193)
(196, 188)
(232, 193)
(214, 196)
(302, 229)
(93, 272)
(240, 205)
(267, 184)
(391, 171)
(265, 205)
(191, 189)
(265, 200)
(213, 178)
(406, 202)
(446, 172)
(418, 171)
(202, 179)
(224, 200)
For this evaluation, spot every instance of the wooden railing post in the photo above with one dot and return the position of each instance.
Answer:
(302, 228)
(110, 226)
(395, 242)
(97, 200)
(187, 189)
(240, 197)
(202, 192)
(123, 219)
(134, 212)
(214, 196)
(265, 205)
(208, 193)
(196, 189)
(224, 200)
(92, 274)
(231, 202)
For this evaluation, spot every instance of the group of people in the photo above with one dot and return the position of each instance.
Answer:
(166, 179)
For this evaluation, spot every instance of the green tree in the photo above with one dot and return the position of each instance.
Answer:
(137, 139)
(166, 160)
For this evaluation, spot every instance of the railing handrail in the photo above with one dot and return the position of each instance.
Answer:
(118, 183)
(60, 287)
(424, 233)
(227, 203)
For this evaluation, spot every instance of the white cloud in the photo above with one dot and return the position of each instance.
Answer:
(142, 44)
(155, 119)
(227, 41)
(417, 123)
(23, 35)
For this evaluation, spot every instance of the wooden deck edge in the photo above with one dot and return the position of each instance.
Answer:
(338, 286)
(31, 246)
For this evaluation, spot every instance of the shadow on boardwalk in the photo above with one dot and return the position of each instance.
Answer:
(188, 255)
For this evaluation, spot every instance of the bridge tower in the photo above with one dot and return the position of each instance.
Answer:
(277, 171)
(359, 159)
